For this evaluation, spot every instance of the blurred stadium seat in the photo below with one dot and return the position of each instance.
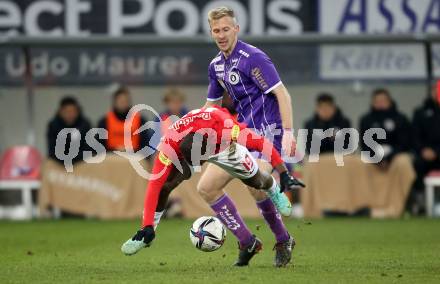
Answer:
(432, 182)
(20, 163)
(19, 175)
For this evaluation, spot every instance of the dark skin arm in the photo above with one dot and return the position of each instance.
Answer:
(174, 179)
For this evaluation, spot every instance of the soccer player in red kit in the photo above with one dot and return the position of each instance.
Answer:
(212, 135)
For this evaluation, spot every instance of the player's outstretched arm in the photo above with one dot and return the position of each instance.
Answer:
(143, 237)
(285, 104)
(253, 141)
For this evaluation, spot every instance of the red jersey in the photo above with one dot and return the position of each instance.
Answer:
(220, 126)
(222, 129)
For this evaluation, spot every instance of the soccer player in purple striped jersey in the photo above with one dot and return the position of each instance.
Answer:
(249, 77)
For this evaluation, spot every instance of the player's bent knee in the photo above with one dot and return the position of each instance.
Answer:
(209, 194)
(204, 192)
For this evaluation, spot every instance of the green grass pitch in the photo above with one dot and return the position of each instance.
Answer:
(328, 251)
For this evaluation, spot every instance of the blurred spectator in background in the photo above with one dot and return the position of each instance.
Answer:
(392, 178)
(426, 125)
(69, 115)
(114, 122)
(174, 103)
(384, 114)
(173, 100)
(327, 115)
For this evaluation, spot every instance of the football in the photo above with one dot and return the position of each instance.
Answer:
(207, 233)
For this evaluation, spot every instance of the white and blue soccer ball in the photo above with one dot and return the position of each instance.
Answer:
(207, 233)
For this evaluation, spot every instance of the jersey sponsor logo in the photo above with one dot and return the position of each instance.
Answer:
(233, 78)
(235, 132)
(187, 119)
(244, 53)
(219, 68)
(164, 159)
(256, 72)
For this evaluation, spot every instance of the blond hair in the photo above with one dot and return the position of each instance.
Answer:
(173, 93)
(220, 12)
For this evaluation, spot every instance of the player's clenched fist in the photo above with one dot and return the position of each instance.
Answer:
(288, 182)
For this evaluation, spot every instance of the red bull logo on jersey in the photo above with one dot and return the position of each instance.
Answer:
(189, 119)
